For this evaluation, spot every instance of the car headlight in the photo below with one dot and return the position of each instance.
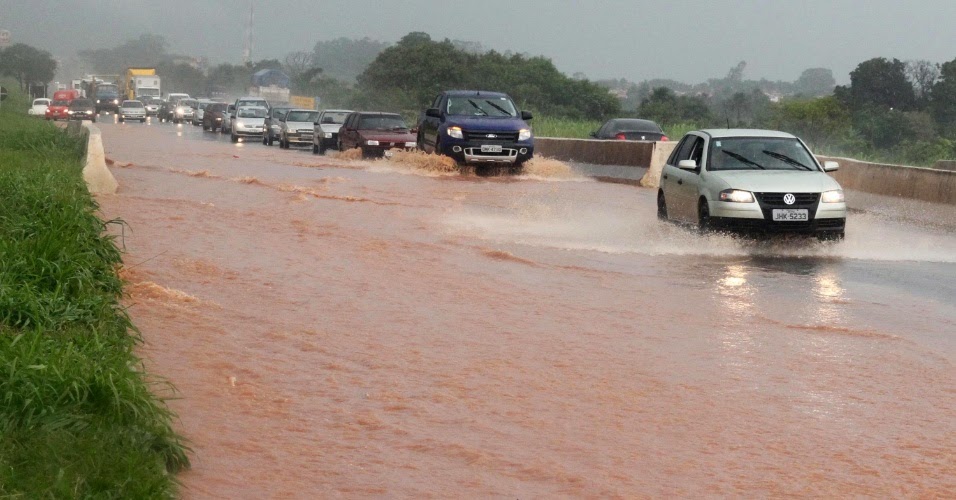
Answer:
(219, 119)
(115, 101)
(411, 144)
(524, 134)
(455, 132)
(736, 196)
(835, 196)
(327, 135)
(371, 143)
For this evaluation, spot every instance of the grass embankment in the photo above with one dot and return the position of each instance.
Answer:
(77, 418)
(581, 129)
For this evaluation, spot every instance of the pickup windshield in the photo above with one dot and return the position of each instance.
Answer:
(481, 106)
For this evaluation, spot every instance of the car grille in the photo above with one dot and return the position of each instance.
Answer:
(474, 135)
(305, 131)
(775, 200)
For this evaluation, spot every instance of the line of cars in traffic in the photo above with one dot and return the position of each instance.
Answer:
(740, 181)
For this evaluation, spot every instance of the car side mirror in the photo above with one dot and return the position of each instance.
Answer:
(830, 166)
(687, 165)
(526, 115)
(433, 112)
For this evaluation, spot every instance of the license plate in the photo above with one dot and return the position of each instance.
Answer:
(790, 214)
(488, 148)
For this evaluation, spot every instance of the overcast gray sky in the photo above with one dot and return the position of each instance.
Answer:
(685, 40)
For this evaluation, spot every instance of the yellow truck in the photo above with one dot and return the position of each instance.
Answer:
(141, 82)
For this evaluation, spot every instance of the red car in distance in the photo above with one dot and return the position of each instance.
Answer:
(59, 108)
(375, 133)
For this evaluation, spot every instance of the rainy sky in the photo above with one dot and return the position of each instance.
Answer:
(689, 41)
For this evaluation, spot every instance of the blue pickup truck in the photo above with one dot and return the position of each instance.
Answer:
(477, 127)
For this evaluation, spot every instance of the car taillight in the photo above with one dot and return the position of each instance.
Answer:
(620, 137)
(664, 138)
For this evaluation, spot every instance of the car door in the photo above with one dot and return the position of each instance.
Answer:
(671, 175)
(347, 133)
(688, 190)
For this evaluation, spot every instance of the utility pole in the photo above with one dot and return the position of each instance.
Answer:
(247, 50)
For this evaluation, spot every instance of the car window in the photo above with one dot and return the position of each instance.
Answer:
(252, 113)
(480, 106)
(697, 151)
(759, 153)
(132, 104)
(381, 122)
(334, 117)
(302, 116)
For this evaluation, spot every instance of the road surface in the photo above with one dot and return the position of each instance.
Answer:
(346, 328)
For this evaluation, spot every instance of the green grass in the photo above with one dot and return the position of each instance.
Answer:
(77, 415)
(581, 129)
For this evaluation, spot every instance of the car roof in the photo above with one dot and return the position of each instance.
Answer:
(337, 111)
(377, 113)
(474, 93)
(722, 133)
(254, 107)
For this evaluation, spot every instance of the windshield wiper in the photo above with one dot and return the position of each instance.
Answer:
(786, 159)
(476, 106)
(504, 111)
(743, 159)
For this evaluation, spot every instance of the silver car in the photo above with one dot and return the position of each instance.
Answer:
(751, 181)
(296, 127)
(132, 110)
(326, 129)
(249, 121)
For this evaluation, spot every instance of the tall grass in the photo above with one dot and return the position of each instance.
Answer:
(581, 129)
(77, 418)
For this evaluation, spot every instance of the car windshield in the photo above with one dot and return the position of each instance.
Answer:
(132, 104)
(302, 116)
(382, 122)
(256, 102)
(481, 106)
(279, 112)
(188, 102)
(335, 117)
(759, 153)
(106, 91)
(251, 113)
(43, 102)
(60, 103)
(81, 103)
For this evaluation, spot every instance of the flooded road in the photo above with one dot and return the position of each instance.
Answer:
(344, 328)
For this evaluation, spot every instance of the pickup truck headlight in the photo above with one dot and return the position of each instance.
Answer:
(371, 143)
(835, 196)
(736, 196)
(455, 132)
(524, 134)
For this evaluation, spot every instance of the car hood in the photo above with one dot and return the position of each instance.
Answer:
(385, 135)
(251, 121)
(486, 123)
(299, 125)
(777, 181)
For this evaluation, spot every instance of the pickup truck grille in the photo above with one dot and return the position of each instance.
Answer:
(483, 136)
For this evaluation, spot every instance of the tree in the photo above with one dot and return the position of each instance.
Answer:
(815, 82)
(922, 75)
(819, 121)
(943, 99)
(180, 77)
(667, 108)
(882, 83)
(27, 64)
(344, 58)
(146, 51)
(298, 62)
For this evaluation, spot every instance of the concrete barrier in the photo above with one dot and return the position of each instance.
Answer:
(662, 151)
(626, 153)
(927, 184)
(945, 165)
(99, 179)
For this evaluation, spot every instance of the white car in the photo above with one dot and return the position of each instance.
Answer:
(226, 125)
(200, 110)
(296, 126)
(751, 181)
(39, 107)
(248, 122)
(132, 110)
(185, 110)
(326, 129)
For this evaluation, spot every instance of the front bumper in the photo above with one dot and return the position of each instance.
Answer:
(248, 132)
(470, 151)
(87, 115)
(133, 116)
(107, 106)
(757, 217)
(299, 139)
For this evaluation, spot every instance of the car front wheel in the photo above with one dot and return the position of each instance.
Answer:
(704, 222)
(661, 206)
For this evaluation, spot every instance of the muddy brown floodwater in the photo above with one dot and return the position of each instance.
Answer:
(344, 328)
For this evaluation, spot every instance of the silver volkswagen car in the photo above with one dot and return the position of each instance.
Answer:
(751, 181)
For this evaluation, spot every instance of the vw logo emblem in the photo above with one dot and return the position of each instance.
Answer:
(789, 199)
(491, 136)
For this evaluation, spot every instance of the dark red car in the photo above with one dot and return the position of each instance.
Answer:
(375, 133)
